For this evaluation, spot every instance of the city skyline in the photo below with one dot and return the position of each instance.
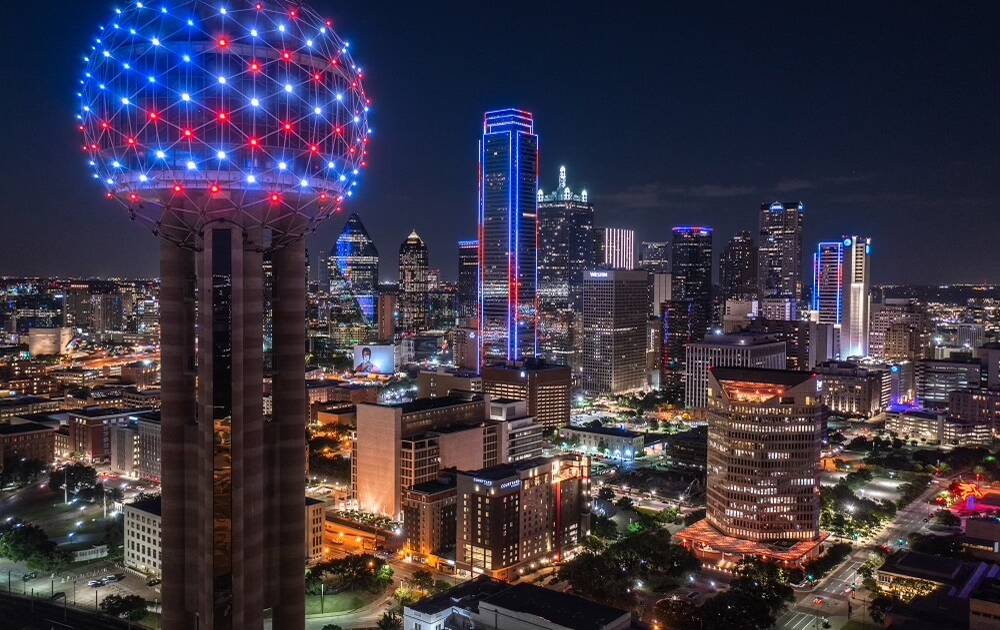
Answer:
(815, 147)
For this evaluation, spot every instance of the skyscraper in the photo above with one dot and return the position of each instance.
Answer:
(615, 302)
(565, 245)
(654, 256)
(356, 258)
(738, 268)
(828, 282)
(779, 250)
(508, 236)
(857, 297)
(468, 279)
(565, 251)
(765, 429)
(691, 279)
(616, 248)
(413, 284)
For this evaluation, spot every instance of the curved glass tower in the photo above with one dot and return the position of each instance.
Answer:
(356, 259)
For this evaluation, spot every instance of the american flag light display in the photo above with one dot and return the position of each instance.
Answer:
(251, 113)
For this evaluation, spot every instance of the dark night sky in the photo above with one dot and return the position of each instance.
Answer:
(884, 117)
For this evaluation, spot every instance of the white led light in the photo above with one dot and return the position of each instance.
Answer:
(304, 183)
(251, 179)
(143, 178)
(281, 27)
(160, 155)
(222, 80)
(317, 111)
(221, 155)
(116, 164)
(185, 97)
(255, 102)
(253, 32)
(106, 53)
(330, 165)
(124, 101)
(340, 97)
(282, 166)
(288, 88)
(156, 41)
(191, 165)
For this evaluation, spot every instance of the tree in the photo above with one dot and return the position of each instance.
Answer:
(28, 543)
(678, 613)
(624, 503)
(75, 476)
(606, 494)
(331, 626)
(129, 606)
(945, 518)
(422, 579)
(390, 620)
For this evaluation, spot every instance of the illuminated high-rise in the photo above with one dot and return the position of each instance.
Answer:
(691, 279)
(413, 260)
(468, 279)
(616, 248)
(508, 236)
(828, 282)
(779, 250)
(565, 251)
(738, 268)
(356, 259)
(654, 256)
(857, 297)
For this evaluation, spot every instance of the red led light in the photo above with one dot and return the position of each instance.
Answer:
(286, 55)
(108, 196)
(131, 141)
(254, 67)
(188, 133)
(288, 126)
(134, 197)
(177, 188)
(223, 43)
(105, 125)
(222, 116)
(259, 6)
(314, 148)
(293, 13)
(329, 23)
(214, 188)
(275, 198)
(318, 77)
(253, 142)
(152, 116)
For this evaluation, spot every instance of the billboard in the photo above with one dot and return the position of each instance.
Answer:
(372, 359)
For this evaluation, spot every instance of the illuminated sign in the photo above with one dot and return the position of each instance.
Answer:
(598, 274)
(375, 359)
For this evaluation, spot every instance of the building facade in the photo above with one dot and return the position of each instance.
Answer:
(142, 549)
(356, 260)
(935, 379)
(654, 256)
(852, 390)
(738, 268)
(508, 236)
(545, 386)
(616, 248)
(691, 268)
(468, 279)
(857, 297)
(779, 249)
(513, 515)
(828, 282)
(615, 304)
(413, 303)
(745, 350)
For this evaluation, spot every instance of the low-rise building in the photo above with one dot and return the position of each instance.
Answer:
(984, 606)
(442, 381)
(486, 603)
(923, 425)
(142, 536)
(29, 440)
(124, 450)
(315, 521)
(689, 449)
(852, 390)
(609, 442)
(936, 378)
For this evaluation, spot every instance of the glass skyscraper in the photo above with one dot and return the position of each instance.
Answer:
(468, 279)
(691, 253)
(828, 282)
(356, 261)
(779, 254)
(508, 236)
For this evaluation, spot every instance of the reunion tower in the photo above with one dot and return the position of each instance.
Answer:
(231, 128)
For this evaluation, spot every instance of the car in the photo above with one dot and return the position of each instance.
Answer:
(153, 581)
(693, 595)
(29, 576)
(818, 601)
(95, 583)
(112, 578)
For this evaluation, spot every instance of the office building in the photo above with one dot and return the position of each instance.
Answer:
(765, 430)
(741, 350)
(124, 450)
(566, 248)
(780, 308)
(508, 166)
(857, 297)
(828, 282)
(566, 245)
(90, 429)
(899, 331)
(932, 427)
(852, 390)
(654, 256)
(487, 603)
(468, 279)
(683, 322)
(429, 519)
(660, 291)
(807, 343)
(387, 305)
(148, 445)
(779, 250)
(355, 259)
(738, 268)
(609, 442)
(978, 406)
(545, 386)
(513, 515)
(142, 548)
(614, 331)
(615, 248)
(413, 284)
(691, 268)
(29, 440)
(519, 437)
(49, 341)
(989, 354)
(935, 379)
(315, 519)
(442, 381)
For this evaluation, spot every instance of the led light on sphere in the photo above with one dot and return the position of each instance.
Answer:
(259, 101)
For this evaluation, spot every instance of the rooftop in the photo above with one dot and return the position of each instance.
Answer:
(747, 339)
(789, 378)
(23, 427)
(989, 591)
(502, 471)
(465, 595)
(442, 484)
(567, 610)
(428, 404)
(150, 505)
(924, 566)
(615, 431)
(23, 400)
(104, 412)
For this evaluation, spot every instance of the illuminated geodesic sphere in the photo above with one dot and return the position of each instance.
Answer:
(250, 113)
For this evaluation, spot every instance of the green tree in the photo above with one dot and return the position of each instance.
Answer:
(624, 503)
(331, 626)
(422, 579)
(678, 614)
(75, 476)
(606, 494)
(390, 620)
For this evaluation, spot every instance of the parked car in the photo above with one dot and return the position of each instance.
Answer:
(153, 581)
(95, 583)
(29, 576)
